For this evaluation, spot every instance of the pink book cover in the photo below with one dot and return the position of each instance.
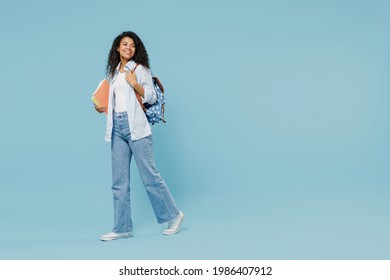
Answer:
(100, 96)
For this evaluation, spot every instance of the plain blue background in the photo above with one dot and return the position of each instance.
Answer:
(276, 146)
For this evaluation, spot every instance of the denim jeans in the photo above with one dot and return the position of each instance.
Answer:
(122, 151)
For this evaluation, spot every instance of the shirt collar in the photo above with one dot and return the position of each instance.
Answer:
(129, 66)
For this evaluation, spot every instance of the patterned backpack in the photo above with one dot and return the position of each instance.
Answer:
(154, 112)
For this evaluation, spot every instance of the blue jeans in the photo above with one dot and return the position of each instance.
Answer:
(122, 150)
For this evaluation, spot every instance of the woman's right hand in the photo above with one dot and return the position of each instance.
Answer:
(100, 109)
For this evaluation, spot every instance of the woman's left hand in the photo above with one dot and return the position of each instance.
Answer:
(131, 78)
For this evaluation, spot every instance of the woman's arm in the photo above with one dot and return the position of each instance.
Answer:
(144, 84)
(131, 78)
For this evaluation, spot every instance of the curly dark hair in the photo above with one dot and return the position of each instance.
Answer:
(141, 55)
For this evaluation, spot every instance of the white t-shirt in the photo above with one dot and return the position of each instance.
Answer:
(119, 87)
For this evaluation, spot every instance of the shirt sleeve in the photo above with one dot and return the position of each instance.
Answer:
(146, 81)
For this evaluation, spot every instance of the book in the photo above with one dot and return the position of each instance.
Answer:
(100, 96)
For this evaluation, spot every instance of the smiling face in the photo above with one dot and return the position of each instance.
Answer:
(126, 49)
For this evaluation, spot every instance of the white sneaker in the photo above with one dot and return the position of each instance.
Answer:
(112, 236)
(174, 225)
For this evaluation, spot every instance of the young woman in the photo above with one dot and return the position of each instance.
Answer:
(130, 135)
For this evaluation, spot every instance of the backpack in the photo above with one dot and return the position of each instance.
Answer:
(154, 112)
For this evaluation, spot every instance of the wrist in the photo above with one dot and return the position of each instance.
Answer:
(134, 84)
